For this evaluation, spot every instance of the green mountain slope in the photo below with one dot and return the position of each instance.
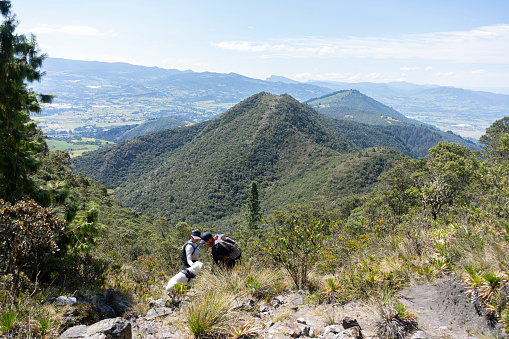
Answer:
(420, 138)
(127, 160)
(273, 139)
(353, 106)
(127, 132)
(264, 138)
(364, 136)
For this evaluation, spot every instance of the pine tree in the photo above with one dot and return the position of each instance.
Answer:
(20, 63)
(252, 207)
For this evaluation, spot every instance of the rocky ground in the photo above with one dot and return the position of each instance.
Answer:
(444, 310)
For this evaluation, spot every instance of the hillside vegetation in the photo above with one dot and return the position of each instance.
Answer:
(340, 225)
(275, 140)
(354, 106)
(351, 104)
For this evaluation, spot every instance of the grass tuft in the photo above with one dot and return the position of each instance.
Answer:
(394, 320)
(209, 314)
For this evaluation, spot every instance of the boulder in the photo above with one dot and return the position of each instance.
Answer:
(349, 322)
(65, 301)
(332, 329)
(114, 328)
(158, 312)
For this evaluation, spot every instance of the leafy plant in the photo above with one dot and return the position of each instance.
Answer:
(27, 230)
(8, 319)
(45, 322)
(296, 245)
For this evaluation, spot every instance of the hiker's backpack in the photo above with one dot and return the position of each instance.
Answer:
(230, 244)
(183, 253)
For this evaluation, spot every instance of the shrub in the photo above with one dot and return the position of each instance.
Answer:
(295, 245)
(27, 231)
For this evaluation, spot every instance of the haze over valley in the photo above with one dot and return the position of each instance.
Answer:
(95, 97)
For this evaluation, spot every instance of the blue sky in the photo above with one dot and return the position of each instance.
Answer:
(448, 42)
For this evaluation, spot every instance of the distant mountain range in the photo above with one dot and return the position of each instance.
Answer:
(200, 173)
(95, 97)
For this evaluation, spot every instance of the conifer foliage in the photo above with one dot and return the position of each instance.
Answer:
(20, 63)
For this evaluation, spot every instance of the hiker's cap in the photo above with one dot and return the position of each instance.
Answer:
(205, 237)
(196, 234)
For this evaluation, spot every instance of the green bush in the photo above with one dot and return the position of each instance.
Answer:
(295, 244)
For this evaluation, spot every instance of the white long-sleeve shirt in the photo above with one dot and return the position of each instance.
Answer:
(190, 256)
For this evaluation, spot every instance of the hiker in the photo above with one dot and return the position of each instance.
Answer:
(190, 251)
(224, 249)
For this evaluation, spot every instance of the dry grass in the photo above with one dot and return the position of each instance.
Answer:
(394, 321)
(245, 281)
(209, 314)
(244, 328)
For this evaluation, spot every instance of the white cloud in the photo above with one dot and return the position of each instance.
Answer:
(347, 77)
(489, 44)
(80, 30)
(406, 69)
(304, 76)
(71, 30)
(447, 74)
(428, 68)
(201, 65)
(478, 71)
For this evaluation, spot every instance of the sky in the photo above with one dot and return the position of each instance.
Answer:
(444, 42)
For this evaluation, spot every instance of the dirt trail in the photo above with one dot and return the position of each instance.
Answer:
(445, 310)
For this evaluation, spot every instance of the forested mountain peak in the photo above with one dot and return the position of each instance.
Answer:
(268, 138)
(362, 108)
(264, 116)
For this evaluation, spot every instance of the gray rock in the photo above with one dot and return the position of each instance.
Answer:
(352, 333)
(157, 303)
(149, 329)
(332, 329)
(349, 322)
(264, 308)
(291, 329)
(107, 311)
(301, 321)
(65, 301)
(75, 332)
(277, 301)
(275, 328)
(421, 335)
(114, 328)
(158, 312)
(296, 300)
(304, 329)
(329, 335)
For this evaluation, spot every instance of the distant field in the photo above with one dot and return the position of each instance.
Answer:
(78, 146)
